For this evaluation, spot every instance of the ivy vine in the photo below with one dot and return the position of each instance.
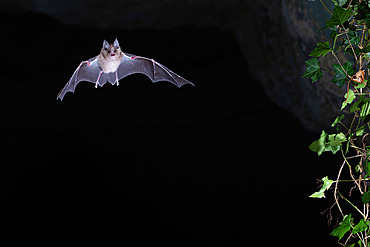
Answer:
(350, 38)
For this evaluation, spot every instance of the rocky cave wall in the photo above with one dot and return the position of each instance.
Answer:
(275, 36)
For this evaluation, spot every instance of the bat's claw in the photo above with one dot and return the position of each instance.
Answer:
(117, 84)
(96, 85)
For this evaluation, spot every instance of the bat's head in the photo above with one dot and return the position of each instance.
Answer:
(111, 51)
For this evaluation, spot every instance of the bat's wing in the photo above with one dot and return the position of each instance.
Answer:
(87, 71)
(132, 64)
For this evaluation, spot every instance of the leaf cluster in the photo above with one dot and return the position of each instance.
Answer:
(349, 38)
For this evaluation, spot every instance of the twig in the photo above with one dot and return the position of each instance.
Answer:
(350, 172)
(358, 210)
(336, 189)
(353, 50)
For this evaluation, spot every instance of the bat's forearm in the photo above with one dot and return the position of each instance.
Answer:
(113, 62)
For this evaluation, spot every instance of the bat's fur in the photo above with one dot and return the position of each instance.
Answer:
(110, 57)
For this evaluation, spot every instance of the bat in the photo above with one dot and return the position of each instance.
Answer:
(111, 65)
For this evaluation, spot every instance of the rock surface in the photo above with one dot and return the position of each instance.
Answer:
(275, 36)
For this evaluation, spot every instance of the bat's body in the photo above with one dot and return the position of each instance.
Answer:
(112, 64)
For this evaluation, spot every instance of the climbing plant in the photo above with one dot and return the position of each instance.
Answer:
(349, 44)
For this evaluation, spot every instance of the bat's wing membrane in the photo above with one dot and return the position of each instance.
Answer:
(132, 64)
(90, 71)
(87, 71)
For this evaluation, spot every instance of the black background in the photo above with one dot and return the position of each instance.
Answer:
(140, 164)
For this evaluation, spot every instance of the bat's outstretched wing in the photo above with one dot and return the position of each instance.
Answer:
(132, 64)
(87, 71)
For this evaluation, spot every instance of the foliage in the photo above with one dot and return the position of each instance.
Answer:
(349, 37)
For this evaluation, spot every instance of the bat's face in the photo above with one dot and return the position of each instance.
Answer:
(111, 51)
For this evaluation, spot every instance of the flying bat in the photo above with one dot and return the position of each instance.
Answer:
(111, 65)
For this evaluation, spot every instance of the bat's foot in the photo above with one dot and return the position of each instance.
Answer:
(117, 78)
(97, 81)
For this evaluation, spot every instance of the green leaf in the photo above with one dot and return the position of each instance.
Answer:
(344, 227)
(361, 226)
(341, 75)
(353, 38)
(328, 143)
(337, 120)
(313, 70)
(361, 85)
(358, 104)
(340, 15)
(335, 141)
(365, 111)
(366, 197)
(367, 168)
(339, 2)
(326, 185)
(350, 96)
(319, 145)
(360, 131)
(322, 48)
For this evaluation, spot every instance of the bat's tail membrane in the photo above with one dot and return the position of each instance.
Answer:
(107, 77)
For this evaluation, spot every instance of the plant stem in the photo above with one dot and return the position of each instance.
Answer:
(326, 7)
(358, 210)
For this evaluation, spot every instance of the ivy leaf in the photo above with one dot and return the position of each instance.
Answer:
(365, 111)
(328, 143)
(358, 104)
(340, 16)
(366, 168)
(319, 145)
(339, 2)
(353, 38)
(361, 226)
(322, 48)
(326, 185)
(335, 141)
(361, 85)
(362, 104)
(366, 197)
(313, 70)
(337, 120)
(341, 75)
(344, 227)
(360, 131)
(350, 96)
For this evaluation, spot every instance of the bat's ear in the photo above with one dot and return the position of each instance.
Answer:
(116, 44)
(105, 45)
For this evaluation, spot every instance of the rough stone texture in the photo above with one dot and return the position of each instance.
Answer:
(285, 35)
(276, 37)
